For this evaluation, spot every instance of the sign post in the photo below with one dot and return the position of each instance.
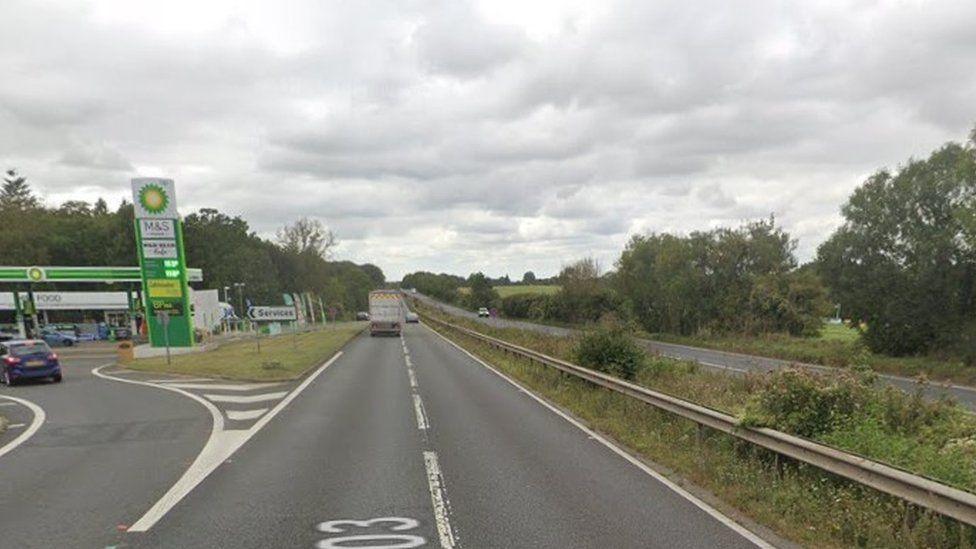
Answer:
(162, 261)
(163, 318)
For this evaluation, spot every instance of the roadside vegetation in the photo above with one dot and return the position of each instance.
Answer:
(836, 346)
(520, 289)
(282, 357)
(847, 410)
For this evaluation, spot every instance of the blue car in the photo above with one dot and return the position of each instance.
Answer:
(58, 339)
(28, 359)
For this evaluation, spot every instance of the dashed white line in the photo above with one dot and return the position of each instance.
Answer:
(413, 379)
(714, 513)
(8, 403)
(242, 415)
(409, 362)
(16, 425)
(418, 408)
(246, 399)
(435, 481)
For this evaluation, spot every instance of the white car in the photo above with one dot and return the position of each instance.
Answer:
(483, 312)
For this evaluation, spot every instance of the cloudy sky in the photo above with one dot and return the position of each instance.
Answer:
(502, 135)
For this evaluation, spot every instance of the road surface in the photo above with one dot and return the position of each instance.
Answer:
(398, 442)
(721, 360)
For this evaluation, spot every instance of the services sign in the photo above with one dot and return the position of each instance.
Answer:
(271, 314)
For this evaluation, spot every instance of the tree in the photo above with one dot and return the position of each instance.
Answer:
(904, 262)
(15, 194)
(307, 236)
(735, 280)
(480, 292)
(528, 278)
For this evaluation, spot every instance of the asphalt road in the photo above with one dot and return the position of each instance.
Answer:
(103, 454)
(397, 442)
(409, 442)
(721, 360)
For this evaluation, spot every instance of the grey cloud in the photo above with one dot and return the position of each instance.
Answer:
(96, 156)
(431, 135)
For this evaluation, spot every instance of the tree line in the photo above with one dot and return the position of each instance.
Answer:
(82, 234)
(902, 269)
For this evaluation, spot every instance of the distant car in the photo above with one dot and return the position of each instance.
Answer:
(7, 336)
(411, 317)
(28, 359)
(55, 338)
(484, 312)
(362, 315)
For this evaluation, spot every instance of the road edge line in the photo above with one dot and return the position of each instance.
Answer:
(637, 462)
(39, 418)
(219, 446)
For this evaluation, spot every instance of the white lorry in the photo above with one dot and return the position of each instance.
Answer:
(385, 312)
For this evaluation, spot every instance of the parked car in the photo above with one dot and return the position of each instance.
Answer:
(28, 359)
(55, 338)
(7, 336)
(362, 315)
(411, 317)
(484, 312)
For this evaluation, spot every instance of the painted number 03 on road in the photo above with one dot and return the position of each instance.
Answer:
(349, 539)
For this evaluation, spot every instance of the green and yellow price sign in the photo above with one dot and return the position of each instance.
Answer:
(162, 261)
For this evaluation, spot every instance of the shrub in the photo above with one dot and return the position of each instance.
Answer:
(609, 349)
(807, 404)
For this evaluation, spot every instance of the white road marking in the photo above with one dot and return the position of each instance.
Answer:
(418, 408)
(8, 403)
(230, 387)
(16, 425)
(409, 363)
(246, 399)
(219, 447)
(242, 415)
(413, 379)
(435, 481)
(36, 422)
(714, 513)
(376, 541)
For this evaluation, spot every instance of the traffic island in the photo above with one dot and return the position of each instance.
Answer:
(265, 358)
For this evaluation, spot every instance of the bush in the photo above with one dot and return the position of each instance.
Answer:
(807, 404)
(609, 349)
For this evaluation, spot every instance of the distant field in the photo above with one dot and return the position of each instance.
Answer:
(505, 291)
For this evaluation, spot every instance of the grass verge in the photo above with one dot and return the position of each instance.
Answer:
(797, 501)
(837, 346)
(545, 289)
(282, 357)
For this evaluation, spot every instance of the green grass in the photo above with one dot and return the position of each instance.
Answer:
(836, 346)
(505, 291)
(282, 357)
(547, 289)
(797, 501)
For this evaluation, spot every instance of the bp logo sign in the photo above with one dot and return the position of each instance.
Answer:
(35, 274)
(153, 199)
